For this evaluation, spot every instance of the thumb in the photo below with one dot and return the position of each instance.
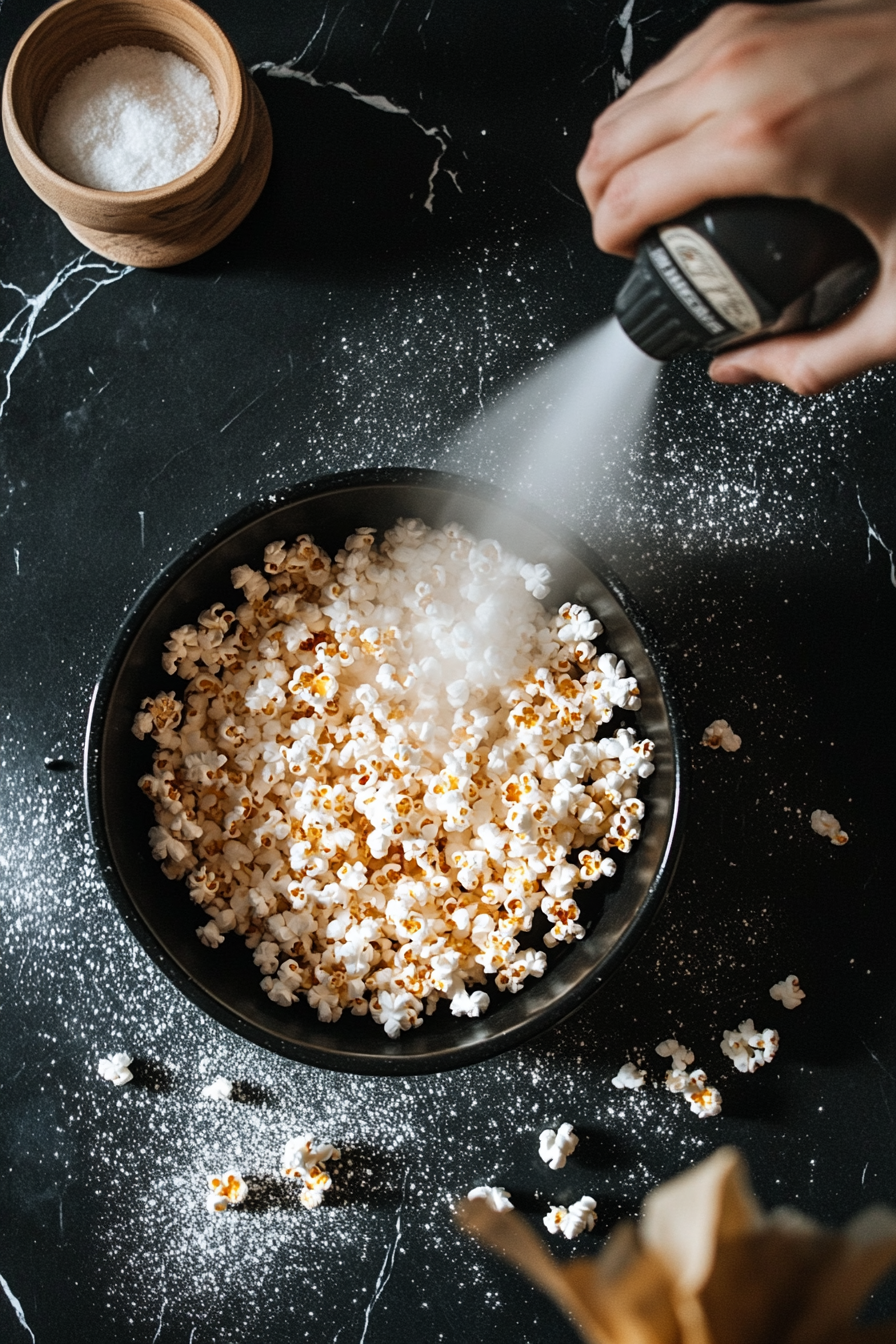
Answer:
(812, 362)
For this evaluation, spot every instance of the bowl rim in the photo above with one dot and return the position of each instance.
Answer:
(97, 196)
(341, 1060)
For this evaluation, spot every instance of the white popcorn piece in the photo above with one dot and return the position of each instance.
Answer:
(720, 734)
(225, 1191)
(305, 1161)
(704, 1100)
(824, 823)
(555, 1146)
(469, 1005)
(220, 1089)
(381, 767)
(679, 1056)
(788, 992)
(495, 1195)
(572, 1221)
(629, 1076)
(115, 1069)
(748, 1048)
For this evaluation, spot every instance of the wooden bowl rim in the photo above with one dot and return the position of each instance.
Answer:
(97, 195)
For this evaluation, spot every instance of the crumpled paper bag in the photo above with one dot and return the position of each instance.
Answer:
(705, 1265)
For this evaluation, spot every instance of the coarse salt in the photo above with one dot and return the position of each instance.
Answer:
(129, 119)
(386, 766)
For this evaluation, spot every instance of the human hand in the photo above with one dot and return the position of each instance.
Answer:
(795, 100)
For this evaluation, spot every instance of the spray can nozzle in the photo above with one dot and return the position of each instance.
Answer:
(739, 269)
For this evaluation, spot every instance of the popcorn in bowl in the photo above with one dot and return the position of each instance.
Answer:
(384, 767)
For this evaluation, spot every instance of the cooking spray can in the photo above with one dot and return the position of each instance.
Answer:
(740, 269)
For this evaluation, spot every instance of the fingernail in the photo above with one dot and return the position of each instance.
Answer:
(734, 374)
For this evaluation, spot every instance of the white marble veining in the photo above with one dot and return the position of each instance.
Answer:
(16, 1306)
(874, 535)
(622, 78)
(440, 134)
(388, 1264)
(74, 284)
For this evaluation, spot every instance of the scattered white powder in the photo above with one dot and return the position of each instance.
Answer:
(495, 1195)
(788, 992)
(115, 1069)
(578, 1218)
(720, 734)
(129, 119)
(555, 1146)
(825, 823)
(385, 765)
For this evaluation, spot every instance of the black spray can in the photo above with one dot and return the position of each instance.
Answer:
(736, 270)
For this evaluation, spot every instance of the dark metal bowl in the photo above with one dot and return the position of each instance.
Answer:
(224, 981)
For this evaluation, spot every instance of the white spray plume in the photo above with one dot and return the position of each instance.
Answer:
(573, 419)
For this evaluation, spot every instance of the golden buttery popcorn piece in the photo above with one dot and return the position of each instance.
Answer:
(225, 1191)
(704, 1264)
(384, 765)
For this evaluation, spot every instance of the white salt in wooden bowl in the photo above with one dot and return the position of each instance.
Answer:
(163, 225)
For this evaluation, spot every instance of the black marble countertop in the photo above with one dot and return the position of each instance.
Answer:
(419, 244)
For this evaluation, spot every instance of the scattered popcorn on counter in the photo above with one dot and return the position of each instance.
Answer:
(555, 1146)
(496, 1196)
(578, 1218)
(823, 823)
(629, 1076)
(720, 734)
(748, 1048)
(385, 765)
(115, 1069)
(225, 1191)
(679, 1056)
(305, 1162)
(788, 992)
(221, 1089)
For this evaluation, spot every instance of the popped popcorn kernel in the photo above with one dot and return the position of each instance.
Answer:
(824, 823)
(116, 1069)
(572, 1221)
(720, 734)
(495, 1196)
(788, 992)
(748, 1048)
(679, 1056)
(305, 1161)
(220, 1089)
(385, 768)
(555, 1146)
(225, 1192)
(629, 1076)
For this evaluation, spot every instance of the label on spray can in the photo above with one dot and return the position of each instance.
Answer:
(715, 280)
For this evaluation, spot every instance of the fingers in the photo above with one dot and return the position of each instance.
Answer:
(651, 121)
(678, 176)
(813, 362)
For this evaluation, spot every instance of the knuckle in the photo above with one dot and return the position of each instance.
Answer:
(807, 380)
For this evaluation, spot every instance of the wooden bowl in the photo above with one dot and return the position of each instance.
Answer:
(182, 218)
